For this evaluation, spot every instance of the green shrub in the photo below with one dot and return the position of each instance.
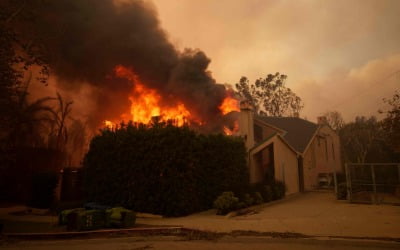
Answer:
(43, 186)
(342, 191)
(258, 199)
(248, 200)
(278, 189)
(268, 193)
(226, 202)
(162, 169)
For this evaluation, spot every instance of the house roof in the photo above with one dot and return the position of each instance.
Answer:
(266, 140)
(299, 132)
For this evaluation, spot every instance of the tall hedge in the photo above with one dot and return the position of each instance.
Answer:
(162, 169)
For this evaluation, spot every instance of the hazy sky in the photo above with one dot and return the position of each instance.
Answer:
(338, 54)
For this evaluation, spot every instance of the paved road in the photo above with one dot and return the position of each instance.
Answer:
(137, 243)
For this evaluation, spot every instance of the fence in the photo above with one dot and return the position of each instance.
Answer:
(375, 183)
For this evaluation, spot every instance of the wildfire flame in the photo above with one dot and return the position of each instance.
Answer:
(146, 103)
(108, 124)
(232, 131)
(228, 105)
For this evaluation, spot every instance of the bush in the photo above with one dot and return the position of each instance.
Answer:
(248, 200)
(162, 169)
(226, 202)
(268, 193)
(278, 189)
(342, 191)
(43, 186)
(258, 199)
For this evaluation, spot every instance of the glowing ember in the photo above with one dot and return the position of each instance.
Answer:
(233, 130)
(146, 103)
(228, 105)
(108, 124)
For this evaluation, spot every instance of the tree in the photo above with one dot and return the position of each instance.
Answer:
(19, 51)
(334, 119)
(363, 141)
(59, 132)
(391, 124)
(269, 96)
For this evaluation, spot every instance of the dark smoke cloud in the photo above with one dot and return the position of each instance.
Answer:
(86, 39)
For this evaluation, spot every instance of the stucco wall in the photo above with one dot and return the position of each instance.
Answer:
(285, 165)
(286, 168)
(322, 156)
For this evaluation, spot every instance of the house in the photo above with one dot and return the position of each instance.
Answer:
(300, 153)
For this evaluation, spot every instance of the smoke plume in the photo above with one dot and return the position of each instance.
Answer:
(86, 39)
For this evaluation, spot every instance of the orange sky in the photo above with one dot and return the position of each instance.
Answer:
(338, 54)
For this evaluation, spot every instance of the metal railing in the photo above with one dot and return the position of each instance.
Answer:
(374, 183)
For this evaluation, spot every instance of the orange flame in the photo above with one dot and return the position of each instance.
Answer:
(232, 131)
(228, 105)
(108, 124)
(146, 103)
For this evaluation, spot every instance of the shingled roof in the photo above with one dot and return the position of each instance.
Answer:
(299, 132)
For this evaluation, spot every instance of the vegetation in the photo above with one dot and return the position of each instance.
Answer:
(269, 96)
(365, 140)
(391, 123)
(249, 196)
(162, 169)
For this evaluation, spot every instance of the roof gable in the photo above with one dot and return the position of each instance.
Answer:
(299, 132)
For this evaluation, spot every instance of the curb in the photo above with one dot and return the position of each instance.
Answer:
(189, 233)
(96, 233)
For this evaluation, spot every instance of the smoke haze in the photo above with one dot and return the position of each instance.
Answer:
(87, 39)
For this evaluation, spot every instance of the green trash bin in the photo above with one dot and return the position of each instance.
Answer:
(120, 217)
(62, 217)
(86, 220)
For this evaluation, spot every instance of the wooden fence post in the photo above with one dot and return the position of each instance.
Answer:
(348, 182)
(374, 183)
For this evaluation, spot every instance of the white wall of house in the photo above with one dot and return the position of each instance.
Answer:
(286, 167)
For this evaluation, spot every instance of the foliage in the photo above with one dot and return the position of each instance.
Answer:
(269, 96)
(226, 202)
(162, 169)
(391, 123)
(278, 190)
(43, 186)
(248, 196)
(258, 199)
(363, 141)
(334, 120)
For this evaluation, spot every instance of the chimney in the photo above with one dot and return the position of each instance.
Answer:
(322, 120)
(246, 123)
